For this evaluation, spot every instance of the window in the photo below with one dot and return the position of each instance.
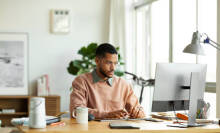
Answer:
(159, 33)
(168, 31)
(184, 24)
(142, 38)
(208, 25)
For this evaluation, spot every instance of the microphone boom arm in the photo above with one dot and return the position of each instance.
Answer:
(142, 82)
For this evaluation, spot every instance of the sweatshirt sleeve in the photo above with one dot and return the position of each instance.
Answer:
(132, 102)
(79, 98)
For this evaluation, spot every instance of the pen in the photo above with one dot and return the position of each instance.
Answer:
(61, 123)
(175, 122)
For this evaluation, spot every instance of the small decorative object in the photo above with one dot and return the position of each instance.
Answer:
(60, 21)
(43, 86)
(13, 63)
(37, 114)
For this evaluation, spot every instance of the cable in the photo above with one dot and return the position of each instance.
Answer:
(174, 110)
(184, 107)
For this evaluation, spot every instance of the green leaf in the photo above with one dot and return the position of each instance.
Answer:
(122, 63)
(77, 63)
(91, 50)
(119, 73)
(82, 51)
(72, 69)
(117, 48)
(81, 71)
(92, 47)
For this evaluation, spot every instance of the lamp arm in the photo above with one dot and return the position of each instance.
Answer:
(217, 45)
(208, 40)
(214, 46)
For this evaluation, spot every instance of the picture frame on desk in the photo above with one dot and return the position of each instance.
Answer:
(13, 63)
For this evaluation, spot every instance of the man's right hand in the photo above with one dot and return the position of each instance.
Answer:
(117, 114)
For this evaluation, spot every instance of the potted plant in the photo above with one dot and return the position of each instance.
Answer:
(87, 62)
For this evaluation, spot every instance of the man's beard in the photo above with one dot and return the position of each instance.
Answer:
(103, 73)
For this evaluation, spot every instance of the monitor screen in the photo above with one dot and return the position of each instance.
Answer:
(172, 85)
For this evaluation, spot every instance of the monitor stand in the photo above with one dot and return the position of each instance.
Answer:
(195, 89)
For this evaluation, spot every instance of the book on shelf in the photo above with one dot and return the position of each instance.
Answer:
(8, 111)
(43, 88)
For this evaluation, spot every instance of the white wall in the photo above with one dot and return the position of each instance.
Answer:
(49, 53)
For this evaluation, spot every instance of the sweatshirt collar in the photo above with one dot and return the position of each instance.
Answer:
(96, 78)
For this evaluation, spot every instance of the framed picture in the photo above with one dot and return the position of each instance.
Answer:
(13, 63)
(60, 21)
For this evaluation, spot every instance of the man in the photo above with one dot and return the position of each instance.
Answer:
(106, 95)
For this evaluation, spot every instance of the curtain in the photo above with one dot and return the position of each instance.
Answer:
(133, 43)
(120, 28)
(143, 53)
(117, 24)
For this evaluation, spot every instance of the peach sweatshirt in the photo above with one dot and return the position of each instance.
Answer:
(101, 96)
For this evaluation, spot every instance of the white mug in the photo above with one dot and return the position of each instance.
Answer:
(82, 115)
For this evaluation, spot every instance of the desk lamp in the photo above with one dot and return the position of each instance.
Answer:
(196, 48)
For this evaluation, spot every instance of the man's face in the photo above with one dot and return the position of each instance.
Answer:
(107, 65)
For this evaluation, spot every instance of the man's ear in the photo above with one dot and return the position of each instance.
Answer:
(96, 60)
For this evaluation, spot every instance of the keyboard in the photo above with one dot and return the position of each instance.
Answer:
(129, 119)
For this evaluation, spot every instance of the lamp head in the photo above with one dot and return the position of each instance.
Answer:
(194, 47)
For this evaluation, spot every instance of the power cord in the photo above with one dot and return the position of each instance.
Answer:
(174, 111)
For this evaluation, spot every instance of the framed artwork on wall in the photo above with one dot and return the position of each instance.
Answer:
(60, 21)
(13, 63)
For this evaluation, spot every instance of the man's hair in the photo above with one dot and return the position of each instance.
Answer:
(104, 48)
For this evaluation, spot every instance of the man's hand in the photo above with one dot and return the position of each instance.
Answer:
(117, 114)
(135, 112)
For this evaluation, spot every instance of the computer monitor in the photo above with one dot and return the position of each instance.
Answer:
(173, 83)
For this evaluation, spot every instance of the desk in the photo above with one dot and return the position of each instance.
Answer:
(102, 127)
(5, 130)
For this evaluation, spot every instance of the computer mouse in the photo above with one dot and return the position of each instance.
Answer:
(91, 117)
